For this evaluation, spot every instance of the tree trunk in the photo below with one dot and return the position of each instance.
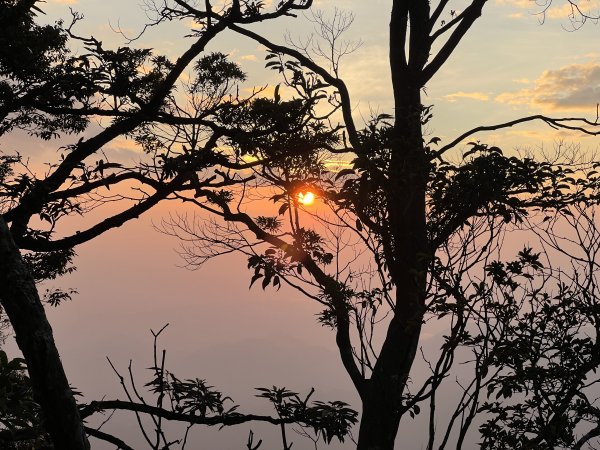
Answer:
(21, 301)
(406, 246)
(379, 423)
(382, 396)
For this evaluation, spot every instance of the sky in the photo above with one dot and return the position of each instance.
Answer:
(130, 280)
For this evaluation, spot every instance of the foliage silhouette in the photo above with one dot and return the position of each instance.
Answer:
(413, 231)
(50, 92)
(431, 227)
(194, 402)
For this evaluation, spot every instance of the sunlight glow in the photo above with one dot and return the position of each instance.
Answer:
(306, 198)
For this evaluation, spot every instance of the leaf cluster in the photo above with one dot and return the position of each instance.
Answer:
(49, 265)
(486, 183)
(275, 262)
(37, 69)
(190, 396)
(328, 419)
(537, 355)
(17, 407)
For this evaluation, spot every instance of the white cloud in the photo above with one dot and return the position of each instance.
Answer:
(544, 7)
(561, 12)
(549, 9)
(366, 72)
(572, 87)
(523, 4)
(479, 96)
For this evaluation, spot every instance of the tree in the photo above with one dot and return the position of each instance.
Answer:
(419, 217)
(432, 231)
(49, 92)
(194, 402)
(189, 401)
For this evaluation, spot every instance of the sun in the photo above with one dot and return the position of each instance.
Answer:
(306, 198)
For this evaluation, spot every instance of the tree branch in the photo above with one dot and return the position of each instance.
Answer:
(108, 438)
(560, 123)
(311, 65)
(224, 420)
(470, 15)
(43, 245)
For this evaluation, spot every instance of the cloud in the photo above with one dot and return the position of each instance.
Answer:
(192, 24)
(266, 91)
(564, 11)
(124, 147)
(572, 11)
(366, 73)
(591, 55)
(572, 87)
(248, 58)
(523, 4)
(548, 10)
(480, 96)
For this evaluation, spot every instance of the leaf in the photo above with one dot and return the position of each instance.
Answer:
(283, 208)
(255, 277)
(266, 281)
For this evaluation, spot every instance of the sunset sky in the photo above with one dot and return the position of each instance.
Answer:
(130, 280)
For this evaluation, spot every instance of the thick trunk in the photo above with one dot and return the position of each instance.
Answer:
(20, 300)
(406, 246)
(382, 396)
(379, 422)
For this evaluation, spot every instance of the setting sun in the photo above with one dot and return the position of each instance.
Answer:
(306, 198)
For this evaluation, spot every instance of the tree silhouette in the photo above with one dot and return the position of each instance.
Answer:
(166, 398)
(415, 232)
(50, 92)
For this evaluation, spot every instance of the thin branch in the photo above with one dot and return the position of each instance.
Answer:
(310, 64)
(224, 420)
(470, 15)
(108, 438)
(556, 123)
